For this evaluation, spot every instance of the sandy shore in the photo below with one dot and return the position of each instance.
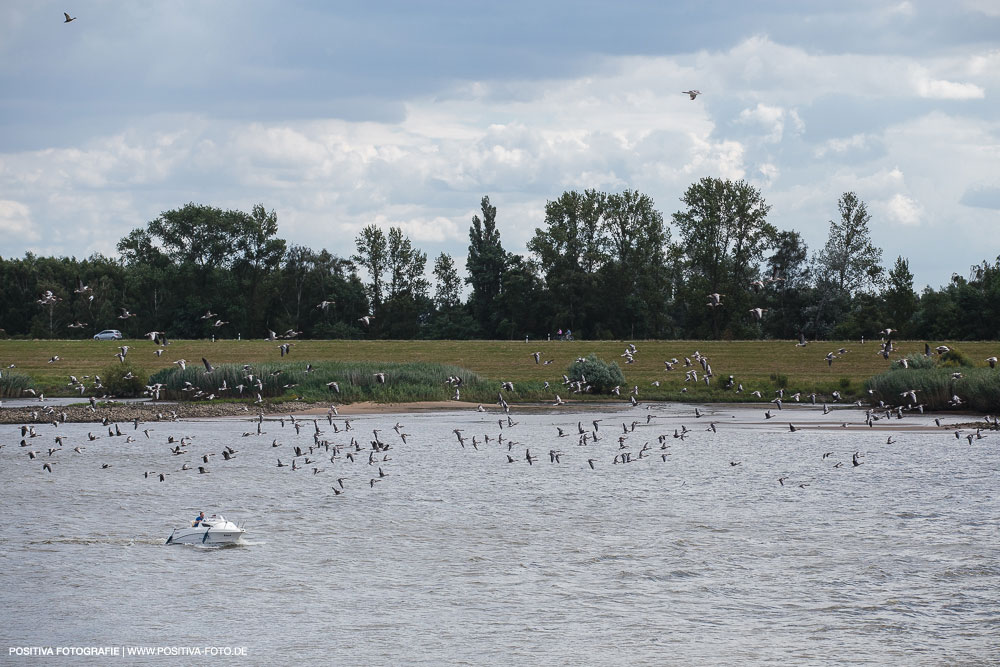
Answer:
(370, 408)
(743, 414)
(147, 412)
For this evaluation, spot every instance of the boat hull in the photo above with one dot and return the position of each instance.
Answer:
(227, 533)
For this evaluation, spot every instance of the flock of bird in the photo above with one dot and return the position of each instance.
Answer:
(330, 445)
(336, 446)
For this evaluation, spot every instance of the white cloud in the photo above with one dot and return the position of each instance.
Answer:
(770, 118)
(623, 124)
(904, 210)
(946, 90)
(15, 219)
(987, 7)
(768, 174)
(842, 145)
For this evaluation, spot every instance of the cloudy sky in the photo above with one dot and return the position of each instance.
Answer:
(342, 114)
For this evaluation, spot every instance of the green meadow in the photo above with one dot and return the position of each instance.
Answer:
(416, 370)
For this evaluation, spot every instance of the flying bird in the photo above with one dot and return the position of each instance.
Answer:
(68, 18)
(691, 93)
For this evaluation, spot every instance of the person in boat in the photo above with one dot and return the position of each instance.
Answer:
(198, 519)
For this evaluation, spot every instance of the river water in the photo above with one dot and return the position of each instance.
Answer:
(456, 556)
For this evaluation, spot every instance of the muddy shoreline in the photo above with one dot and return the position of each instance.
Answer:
(112, 411)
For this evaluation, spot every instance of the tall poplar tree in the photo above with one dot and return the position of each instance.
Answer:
(485, 265)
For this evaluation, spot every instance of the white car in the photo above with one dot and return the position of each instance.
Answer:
(109, 334)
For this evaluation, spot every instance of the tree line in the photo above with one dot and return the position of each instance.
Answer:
(604, 265)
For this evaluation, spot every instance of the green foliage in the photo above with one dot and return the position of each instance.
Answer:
(12, 385)
(780, 380)
(978, 388)
(124, 380)
(599, 374)
(900, 299)
(486, 264)
(357, 381)
(372, 255)
(849, 261)
(601, 264)
(844, 383)
(915, 362)
(724, 233)
(954, 358)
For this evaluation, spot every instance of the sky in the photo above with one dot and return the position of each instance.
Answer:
(338, 115)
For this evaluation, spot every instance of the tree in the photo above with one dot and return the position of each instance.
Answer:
(788, 298)
(724, 233)
(849, 261)
(406, 266)
(259, 253)
(848, 265)
(570, 250)
(518, 305)
(485, 265)
(451, 319)
(636, 240)
(447, 294)
(372, 255)
(900, 299)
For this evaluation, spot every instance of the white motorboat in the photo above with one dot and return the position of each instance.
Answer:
(214, 530)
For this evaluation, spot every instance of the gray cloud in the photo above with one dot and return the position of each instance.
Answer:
(982, 197)
(407, 113)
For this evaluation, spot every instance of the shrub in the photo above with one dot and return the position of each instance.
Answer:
(954, 358)
(13, 385)
(124, 380)
(780, 380)
(978, 388)
(914, 362)
(599, 374)
(845, 383)
(418, 381)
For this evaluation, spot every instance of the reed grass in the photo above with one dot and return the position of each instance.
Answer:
(759, 365)
(977, 388)
(12, 385)
(357, 381)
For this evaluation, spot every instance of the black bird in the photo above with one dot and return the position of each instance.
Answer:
(591, 462)
(68, 19)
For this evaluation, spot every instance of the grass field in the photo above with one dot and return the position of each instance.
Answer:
(760, 365)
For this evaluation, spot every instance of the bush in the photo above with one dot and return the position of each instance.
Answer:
(845, 383)
(780, 380)
(13, 385)
(914, 362)
(124, 380)
(955, 359)
(978, 388)
(599, 374)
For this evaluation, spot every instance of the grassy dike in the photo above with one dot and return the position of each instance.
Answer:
(759, 365)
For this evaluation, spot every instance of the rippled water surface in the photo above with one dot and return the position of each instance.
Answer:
(457, 556)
